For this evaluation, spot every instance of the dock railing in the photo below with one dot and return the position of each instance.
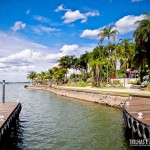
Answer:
(135, 123)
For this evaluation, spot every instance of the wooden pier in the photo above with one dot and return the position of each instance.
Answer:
(9, 113)
(136, 112)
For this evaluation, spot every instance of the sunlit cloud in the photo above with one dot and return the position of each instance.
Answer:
(18, 25)
(127, 23)
(90, 33)
(19, 56)
(72, 16)
(124, 25)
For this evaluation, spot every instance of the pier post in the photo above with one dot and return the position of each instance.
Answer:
(3, 91)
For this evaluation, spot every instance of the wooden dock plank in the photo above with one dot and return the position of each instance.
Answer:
(6, 109)
(139, 104)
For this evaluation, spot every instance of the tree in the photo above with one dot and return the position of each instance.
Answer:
(109, 32)
(142, 37)
(43, 76)
(140, 60)
(126, 52)
(66, 62)
(111, 55)
(32, 75)
(59, 74)
(83, 62)
(97, 63)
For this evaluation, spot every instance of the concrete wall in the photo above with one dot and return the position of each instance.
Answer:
(126, 81)
(108, 99)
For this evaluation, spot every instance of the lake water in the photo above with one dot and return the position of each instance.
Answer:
(52, 122)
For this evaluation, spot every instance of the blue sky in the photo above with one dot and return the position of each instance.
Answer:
(35, 33)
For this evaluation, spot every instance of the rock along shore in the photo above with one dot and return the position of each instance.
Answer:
(114, 100)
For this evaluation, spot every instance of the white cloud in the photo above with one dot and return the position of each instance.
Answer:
(40, 18)
(61, 8)
(28, 11)
(68, 49)
(29, 60)
(133, 1)
(19, 64)
(82, 49)
(71, 16)
(18, 25)
(73, 49)
(18, 56)
(92, 13)
(127, 23)
(43, 29)
(26, 56)
(124, 25)
(10, 44)
(90, 33)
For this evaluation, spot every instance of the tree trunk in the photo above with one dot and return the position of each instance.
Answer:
(148, 54)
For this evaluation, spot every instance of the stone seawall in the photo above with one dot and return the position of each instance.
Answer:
(102, 98)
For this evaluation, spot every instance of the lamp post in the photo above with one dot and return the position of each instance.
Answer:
(107, 71)
(3, 98)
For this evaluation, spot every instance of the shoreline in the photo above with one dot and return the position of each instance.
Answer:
(107, 98)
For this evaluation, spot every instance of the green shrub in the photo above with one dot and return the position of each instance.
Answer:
(82, 84)
(103, 84)
(137, 82)
(116, 82)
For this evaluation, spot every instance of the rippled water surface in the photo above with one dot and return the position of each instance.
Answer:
(52, 122)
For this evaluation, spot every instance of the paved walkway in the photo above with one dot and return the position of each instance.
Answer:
(116, 90)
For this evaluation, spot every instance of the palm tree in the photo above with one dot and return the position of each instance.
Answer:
(59, 74)
(142, 36)
(66, 62)
(112, 58)
(83, 62)
(97, 63)
(32, 75)
(125, 52)
(140, 60)
(43, 76)
(109, 32)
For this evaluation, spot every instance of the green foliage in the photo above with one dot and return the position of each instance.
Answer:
(116, 82)
(59, 74)
(121, 73)
(84, 76)
(108, 32)
(32, 75)
(137, 82)
(82, 62)
(82, 84)
(142, 39)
